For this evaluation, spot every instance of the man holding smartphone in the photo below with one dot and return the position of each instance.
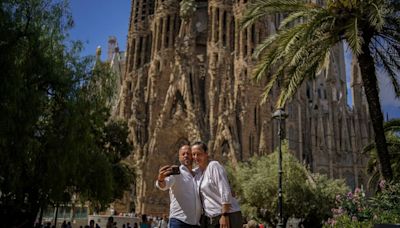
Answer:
(185, 207)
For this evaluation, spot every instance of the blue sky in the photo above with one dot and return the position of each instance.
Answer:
(96, 20)
(390, 104)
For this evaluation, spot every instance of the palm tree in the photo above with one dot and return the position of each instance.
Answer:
(302, 46)
(392, 131)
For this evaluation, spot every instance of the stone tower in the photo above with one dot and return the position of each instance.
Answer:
(188, 77)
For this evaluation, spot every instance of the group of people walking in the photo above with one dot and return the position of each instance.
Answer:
(201, 196)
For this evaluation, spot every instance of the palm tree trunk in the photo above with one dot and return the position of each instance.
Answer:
(368, 75)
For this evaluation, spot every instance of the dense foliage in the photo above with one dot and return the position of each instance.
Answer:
(256, 185)
(392, 132)
(357, 210)
(55, 138)
(304, 42)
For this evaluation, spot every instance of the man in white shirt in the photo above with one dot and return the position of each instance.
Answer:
(185, 207)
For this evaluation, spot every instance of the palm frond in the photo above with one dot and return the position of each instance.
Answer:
(395, 144)
(376, 15)
(274, 49)
(389, 69)
(292, 50)
(374, 180)
(298, 39)
(265, 44)
(252, 15)
(368, 148)
(316, 21)
(289, 89)
(316, 50)
(325, 63)
(388, 56)
(353, 36)
(297, 56)
(291, 37)
(392, 26)
(293, 18)
(313, 36)
(268, 60)
(392, 125)
(297, 74)
(391, 42)
(271, 83)
(258, 9)
(301, 52)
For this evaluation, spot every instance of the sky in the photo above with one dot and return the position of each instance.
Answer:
(96, 20)
(389, 103)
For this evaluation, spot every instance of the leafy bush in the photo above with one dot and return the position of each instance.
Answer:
(385, 206)
(256, 185)
(356, 210)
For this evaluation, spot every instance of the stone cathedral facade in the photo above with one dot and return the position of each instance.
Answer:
(188, 77)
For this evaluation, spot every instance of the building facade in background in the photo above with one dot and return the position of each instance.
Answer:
(188, 77)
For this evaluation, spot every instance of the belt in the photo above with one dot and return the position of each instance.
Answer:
(212, 220)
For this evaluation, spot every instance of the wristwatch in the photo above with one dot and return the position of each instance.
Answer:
(225, 214)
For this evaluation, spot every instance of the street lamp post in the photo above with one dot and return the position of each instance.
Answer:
(280, 115)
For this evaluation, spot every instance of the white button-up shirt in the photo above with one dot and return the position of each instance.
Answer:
(215, 189)
(183, 192)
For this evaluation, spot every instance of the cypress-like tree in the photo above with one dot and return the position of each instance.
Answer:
(55, 133)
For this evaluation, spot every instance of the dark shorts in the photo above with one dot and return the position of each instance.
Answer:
(175, 223)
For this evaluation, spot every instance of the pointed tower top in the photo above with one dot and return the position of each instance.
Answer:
(98, 52)
(112, 47)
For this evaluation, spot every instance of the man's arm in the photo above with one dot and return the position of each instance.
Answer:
(224, 220)
(164, 172)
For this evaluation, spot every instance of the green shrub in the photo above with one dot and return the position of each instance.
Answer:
(356, 210)
(256, 185)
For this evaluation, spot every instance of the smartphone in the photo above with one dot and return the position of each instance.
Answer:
(175, 170)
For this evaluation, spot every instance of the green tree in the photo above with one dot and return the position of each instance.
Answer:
(392, 131)
(55, 134)
(302, 46)
(256, 185)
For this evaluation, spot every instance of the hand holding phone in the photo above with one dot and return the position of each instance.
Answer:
(168, 170)
(163, 173)
(175, 170)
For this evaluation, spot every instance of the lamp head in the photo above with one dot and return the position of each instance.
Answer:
(280, 114)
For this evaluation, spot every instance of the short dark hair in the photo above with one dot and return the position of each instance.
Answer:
(182, 142)
(201, 144)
